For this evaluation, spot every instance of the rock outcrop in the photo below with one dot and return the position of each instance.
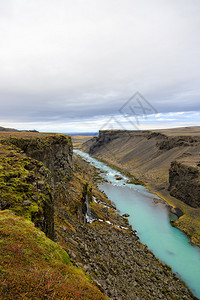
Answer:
(122, 266)
(94, 145)
(184, 183)
(55, 152)
(27, 182)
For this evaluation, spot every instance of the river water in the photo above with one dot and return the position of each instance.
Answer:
(151, 219)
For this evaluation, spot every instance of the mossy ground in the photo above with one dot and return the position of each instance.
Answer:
(23, 185)
(36, 142)
(15, 186)
(34, 267)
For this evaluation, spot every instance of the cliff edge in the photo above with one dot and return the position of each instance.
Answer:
(184, 182)
(30, 168)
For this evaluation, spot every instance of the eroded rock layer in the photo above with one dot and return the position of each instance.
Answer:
(184, 183)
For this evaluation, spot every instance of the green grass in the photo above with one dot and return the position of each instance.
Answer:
(34, 267)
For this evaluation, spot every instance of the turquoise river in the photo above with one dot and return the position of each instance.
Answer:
(151, 220)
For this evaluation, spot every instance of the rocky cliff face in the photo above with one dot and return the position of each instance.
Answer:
(55, 152)
(30, 171)
(106, 136)
(184, 183)
(148, 155)
(163, 142)
(181, 141)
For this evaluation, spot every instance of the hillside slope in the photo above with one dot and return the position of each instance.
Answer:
(34, 267)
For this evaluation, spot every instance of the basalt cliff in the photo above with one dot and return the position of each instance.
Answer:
(166, 161)
(30, 169)
(50, 249)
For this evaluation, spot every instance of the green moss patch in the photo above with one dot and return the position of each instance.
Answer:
(34, 267)
(18, 186)
(36, 143)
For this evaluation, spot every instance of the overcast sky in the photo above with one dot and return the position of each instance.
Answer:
(70, 66)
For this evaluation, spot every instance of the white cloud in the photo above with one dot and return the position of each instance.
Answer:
(94, 124)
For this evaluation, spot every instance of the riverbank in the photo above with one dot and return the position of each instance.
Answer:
(147, 156)
(189, 219)
(113, 255)
(186, 215)
(189, 215)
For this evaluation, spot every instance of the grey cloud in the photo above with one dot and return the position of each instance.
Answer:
(62, 60)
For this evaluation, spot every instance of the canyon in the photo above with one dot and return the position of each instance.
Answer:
(166, 161)
(43, 183)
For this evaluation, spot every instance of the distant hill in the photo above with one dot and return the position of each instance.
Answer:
(7, 129)
(82, 133)
(15, 130)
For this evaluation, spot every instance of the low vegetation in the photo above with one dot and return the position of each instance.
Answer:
(34, 267)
